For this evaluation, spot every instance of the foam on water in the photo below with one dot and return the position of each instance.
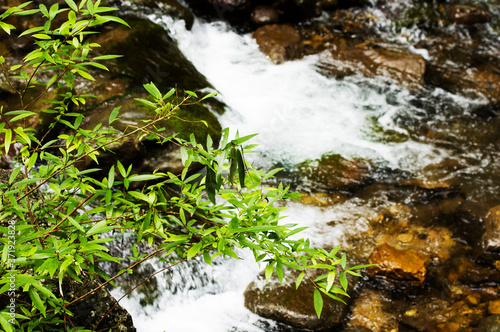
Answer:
(299, 113)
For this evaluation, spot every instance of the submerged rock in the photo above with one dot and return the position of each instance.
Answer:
(370, 311)
(397, 264)
(280, 42)
(489, 324)
(291, 306)
(468, 14)
(332, 172)
(491, 237)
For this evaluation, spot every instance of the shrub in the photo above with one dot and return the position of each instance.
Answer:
(56, 217)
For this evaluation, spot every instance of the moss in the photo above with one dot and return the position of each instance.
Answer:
(379, 134)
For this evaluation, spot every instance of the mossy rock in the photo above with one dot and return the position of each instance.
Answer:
(332, 172)
(150, 55)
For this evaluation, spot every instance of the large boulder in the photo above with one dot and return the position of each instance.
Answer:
(291, 306)
(280, 42)
(149, 55)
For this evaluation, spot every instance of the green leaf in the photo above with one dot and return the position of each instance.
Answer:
(145, 177)
(6, 27)
(343, 280)
(41, 36)
(330, 281)
(5, 323)
(84, 74)
(32, 160)
(207, 258)
(241, 168)
(7, 140)
(114, 114)
(153, 90)
(111, 177)
(318, 302)
(343, 261)
(279, 272)
(269, 270)
(37, 301)
(21, 115)
(299, 280)
(98, 227)
(191, 93)
(169, 94)
(30, 31)
(107, 57)
(194, 250)
(72, 5)
(209, 96)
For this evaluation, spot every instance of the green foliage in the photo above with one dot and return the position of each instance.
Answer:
(56, 217)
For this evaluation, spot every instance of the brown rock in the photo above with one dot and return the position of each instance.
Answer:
(434, 242)
(264, 15)
(491, 237)
(369, 312)
(468, 14)
(397, 264)
(407, 69)
(494, 307)
(291, 306)
(333, 172)
(279, 42)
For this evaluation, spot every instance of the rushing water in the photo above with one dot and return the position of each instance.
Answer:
(300, 114)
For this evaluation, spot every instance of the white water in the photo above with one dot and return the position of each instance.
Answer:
(300, 114)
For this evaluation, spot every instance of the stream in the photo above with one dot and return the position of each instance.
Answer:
(301, 114)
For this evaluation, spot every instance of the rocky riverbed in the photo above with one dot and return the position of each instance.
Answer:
(431, 228)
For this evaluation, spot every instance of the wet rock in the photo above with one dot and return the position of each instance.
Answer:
(285, 304)
(345, 60)
(434, 242)
(89, 311)
(236, 12)
(463, 66)
(494, 307)
(156, 57)
(491, 237)
(464, 270)
(370, 312)
(468, 14)
(397, 264)
(298, 10)
(322, 199)
(280, 42)
(332, 172)
(489, 324)
(170, 8)
(438, 315)
(262, 15)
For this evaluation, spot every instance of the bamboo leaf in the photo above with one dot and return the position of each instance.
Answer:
(299, 280)
(318, 302)
(7, 140)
